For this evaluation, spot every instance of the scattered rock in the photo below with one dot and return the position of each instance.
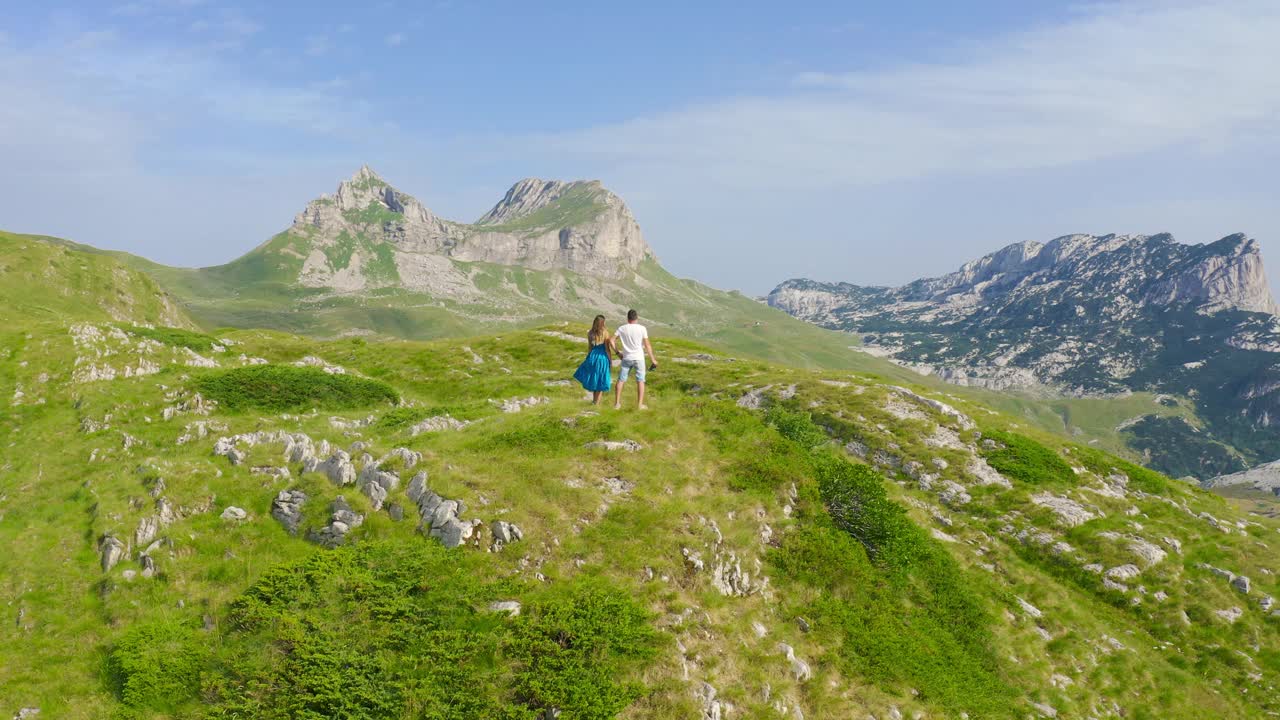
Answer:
(799, 668)
(964, 421)
(510, 607)
(505, 533)
(276, 473)
(287, 509)
(439, 516)
(705, 694)
(1069, 512)
(1029, 609)
(1148, 553)
(614, 445)
(728, 577)
(1241, 583)
(753, 399)
(515, 405)
(437, 424)
(1230, 615)
(234, 514)
(1124, 572)
(343, 520)
(954, 494)
(112, 551)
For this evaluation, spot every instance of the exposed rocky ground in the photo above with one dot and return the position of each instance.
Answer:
(1089, 316)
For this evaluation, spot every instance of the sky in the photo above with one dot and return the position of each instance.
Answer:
(872, 142)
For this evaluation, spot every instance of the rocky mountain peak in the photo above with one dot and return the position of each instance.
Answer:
(533, 194)
(362, 198)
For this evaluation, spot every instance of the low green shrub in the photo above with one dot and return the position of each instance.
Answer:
(797, 427)
(156, 666)
(1022, 458)
(394, 629)
(773, 464)
(283, 388)
(176, 337)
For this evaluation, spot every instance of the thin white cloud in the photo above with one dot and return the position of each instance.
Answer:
(395, 39)
(1113, 80)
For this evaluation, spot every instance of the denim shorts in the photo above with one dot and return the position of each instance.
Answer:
(629, 366)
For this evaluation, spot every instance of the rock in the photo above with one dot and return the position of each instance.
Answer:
(1230, 615)
(342, 521)
(954, 494)
(278, 473)
(147, 529)
(616, 485)
(437, 424)
(728, 577)
(1148, 553)
(148, 566)
(799, 668)
(1124, 572)
(985, 474)
(753, 399)
(692, 560)
(515, 405)
(1045, 710)
(26, 713)
(234, 514)
(1029, 609)
(964, 421)
(510, 607)
(1241, 583)
(505, 533)
(236, 456)
(614, 445)
(439, 516)
(112, 551)
(287, 509)
(1266, 602)
(338, 468)
(1069, 512)
(856, 449)
(705, 694)
(408, 458)
(396, 511)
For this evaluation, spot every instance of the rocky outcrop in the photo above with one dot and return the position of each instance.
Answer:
(369, 234)
(287, 509)
(342, 520)
(440, 517)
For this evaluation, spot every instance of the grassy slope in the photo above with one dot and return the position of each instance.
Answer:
(704, 460)
(41, 280)
(255, 292)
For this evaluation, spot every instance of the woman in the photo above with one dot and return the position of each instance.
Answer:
(595, 373)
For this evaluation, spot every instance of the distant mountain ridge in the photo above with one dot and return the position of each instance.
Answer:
(1087, 315)
(369, 234)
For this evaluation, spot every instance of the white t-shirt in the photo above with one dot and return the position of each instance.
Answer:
(631, 337)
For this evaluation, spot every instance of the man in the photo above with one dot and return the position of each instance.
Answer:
(633, 343)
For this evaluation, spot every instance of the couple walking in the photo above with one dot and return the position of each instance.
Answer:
(630, 343)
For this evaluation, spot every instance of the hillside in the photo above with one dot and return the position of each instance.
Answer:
(42, 280)
(1088, 316)
(256, 526)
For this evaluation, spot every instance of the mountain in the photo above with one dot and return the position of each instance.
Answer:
(1085, 315)
(271, 526)
(370, 260)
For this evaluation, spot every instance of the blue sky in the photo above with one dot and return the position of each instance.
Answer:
(869, 142)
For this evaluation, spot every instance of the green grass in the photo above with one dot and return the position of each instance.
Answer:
(1021, 458)
(175, 337)
(579, 204)
(279, 388)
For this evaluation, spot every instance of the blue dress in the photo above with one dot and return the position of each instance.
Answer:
(596, 372)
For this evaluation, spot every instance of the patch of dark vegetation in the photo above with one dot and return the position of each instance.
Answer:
(900, 609)
(282, 388)
(156, 666)
(1178, 450)
(1021, 458)
(175, 337)
(1103, 465)
(403, 630)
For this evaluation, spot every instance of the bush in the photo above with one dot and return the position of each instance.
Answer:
(176, 337)
(797, 427)
(393, 629)
(773, 463)
(858, 504)
(156, 666)
(1024, 459)
(282, 388)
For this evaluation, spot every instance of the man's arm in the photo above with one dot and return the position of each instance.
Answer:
(648, 346)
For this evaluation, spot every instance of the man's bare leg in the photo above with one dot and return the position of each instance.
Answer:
(617, 396)
(640, 396)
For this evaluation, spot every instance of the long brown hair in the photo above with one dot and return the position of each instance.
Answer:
(599, 333)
